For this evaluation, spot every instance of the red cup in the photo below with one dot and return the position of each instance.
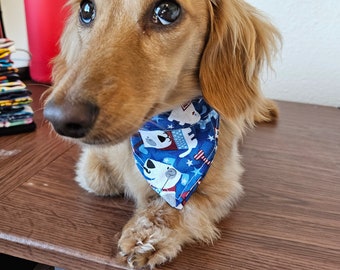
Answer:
(45, 22)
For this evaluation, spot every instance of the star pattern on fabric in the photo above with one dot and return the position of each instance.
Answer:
(196, 172)
(211, 138)
(190, 163)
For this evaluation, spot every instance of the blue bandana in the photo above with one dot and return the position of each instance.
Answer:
(175, 149)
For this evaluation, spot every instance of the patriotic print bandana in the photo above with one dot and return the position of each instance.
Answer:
(175, 149)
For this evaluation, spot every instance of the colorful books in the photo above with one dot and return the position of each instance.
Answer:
(16, 114)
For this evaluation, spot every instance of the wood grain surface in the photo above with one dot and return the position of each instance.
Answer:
(289, 217)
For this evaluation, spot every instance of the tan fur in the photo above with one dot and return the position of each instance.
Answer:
(132, 71)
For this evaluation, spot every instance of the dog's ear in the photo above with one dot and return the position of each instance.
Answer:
(239, 42)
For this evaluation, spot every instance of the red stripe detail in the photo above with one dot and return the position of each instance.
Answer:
(199, 155)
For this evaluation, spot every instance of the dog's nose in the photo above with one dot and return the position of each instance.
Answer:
(71, 120)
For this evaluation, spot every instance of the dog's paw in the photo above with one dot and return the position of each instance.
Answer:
(145, 244)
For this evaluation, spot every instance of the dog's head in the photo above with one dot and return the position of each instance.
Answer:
(155, 139)
(122, 62)
(157, 171)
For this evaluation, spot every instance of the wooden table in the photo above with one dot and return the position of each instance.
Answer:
(289, 217)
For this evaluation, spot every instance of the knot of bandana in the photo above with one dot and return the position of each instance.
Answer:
(175, 149)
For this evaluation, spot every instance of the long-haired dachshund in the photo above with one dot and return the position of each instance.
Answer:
(158, 94)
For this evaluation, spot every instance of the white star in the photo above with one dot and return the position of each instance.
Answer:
(211, 138)
(197, 172)
(170, 126)
(189, 163)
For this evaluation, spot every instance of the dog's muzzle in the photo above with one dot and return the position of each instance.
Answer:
(71, 120)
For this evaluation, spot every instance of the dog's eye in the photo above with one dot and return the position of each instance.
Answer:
(166, 12)
(87, 12)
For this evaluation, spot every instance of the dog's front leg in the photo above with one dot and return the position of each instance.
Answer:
(96, 173)
(153, 236)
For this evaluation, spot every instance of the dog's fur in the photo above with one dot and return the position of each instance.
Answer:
(133, 69)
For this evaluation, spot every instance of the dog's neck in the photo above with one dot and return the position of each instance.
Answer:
(175, 149)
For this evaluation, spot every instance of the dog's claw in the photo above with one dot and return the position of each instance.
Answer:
(144, 247)
(132, 261)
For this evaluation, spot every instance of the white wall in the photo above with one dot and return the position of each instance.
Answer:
(309, 68)
(13, 14)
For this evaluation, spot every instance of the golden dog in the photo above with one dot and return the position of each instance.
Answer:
(122, 62)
